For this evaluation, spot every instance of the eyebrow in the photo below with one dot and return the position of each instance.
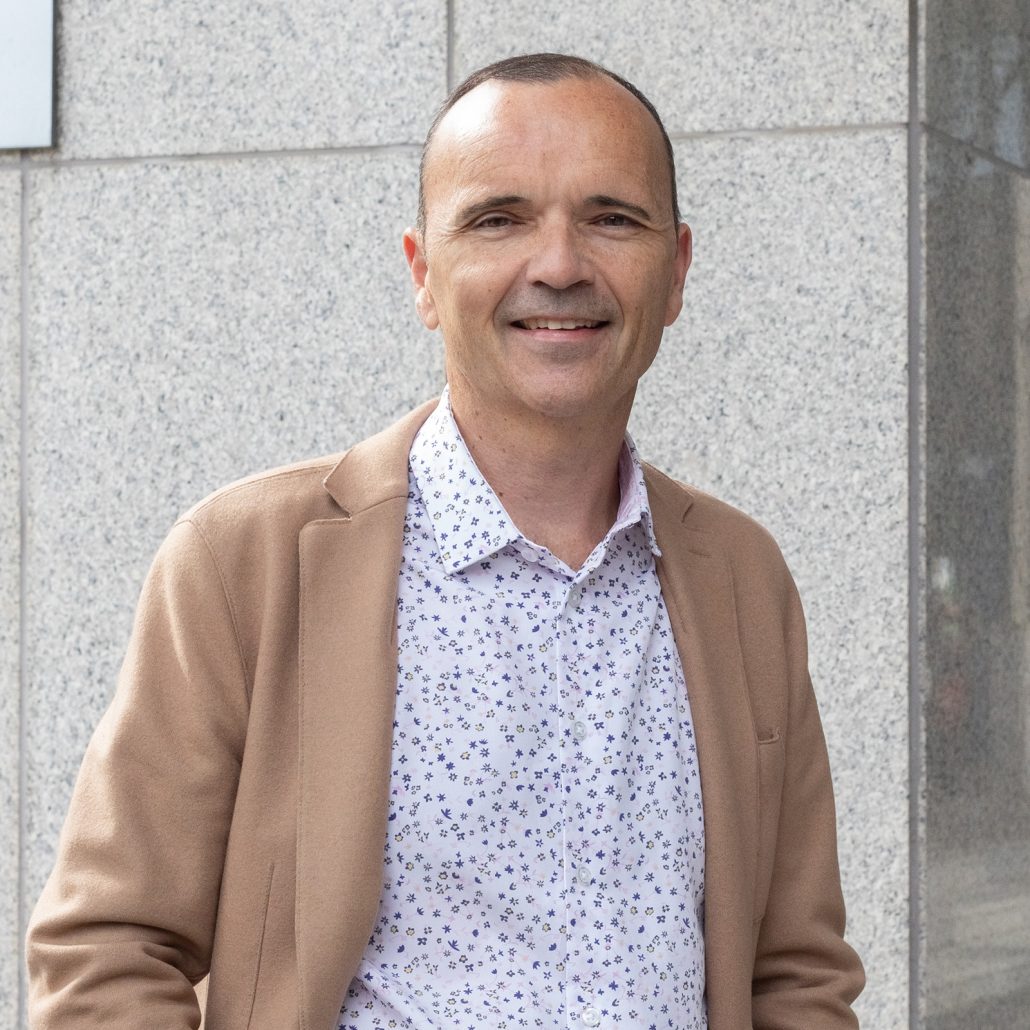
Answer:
(479, 207)
(603, 200)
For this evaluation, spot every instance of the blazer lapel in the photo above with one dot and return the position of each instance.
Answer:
(697, 587)
(347, 684)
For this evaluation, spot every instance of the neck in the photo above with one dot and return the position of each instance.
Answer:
(558, 479)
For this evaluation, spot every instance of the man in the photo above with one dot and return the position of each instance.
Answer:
(484, 724)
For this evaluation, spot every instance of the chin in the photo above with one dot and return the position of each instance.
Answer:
(564, 404)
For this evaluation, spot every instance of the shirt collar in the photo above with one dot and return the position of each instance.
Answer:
(633, 505)
(469, 521)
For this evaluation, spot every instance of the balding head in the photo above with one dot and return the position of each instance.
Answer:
(540, 68)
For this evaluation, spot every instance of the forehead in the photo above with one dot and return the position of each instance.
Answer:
(559, 133)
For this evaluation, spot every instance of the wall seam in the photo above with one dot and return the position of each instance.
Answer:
(22, 579)
(791, 130)
(406, 149)
(916, 514)
(227, 155)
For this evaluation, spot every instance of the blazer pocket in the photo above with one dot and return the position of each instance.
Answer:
(263, 925)
(770, 790)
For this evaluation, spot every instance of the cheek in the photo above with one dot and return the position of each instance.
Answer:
(475, 293)
(642, 296)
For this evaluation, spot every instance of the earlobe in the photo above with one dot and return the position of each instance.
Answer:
(681, 264)
(424, 303)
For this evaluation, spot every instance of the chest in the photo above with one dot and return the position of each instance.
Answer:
(541, 726)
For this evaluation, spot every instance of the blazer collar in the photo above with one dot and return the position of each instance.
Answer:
(376, 469)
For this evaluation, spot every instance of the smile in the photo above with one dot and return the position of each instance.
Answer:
(556, 323)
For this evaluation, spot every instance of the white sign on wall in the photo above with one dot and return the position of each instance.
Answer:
(26, 73)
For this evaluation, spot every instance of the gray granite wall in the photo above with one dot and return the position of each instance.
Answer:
(10, 582)
(213, 282)
(976, 589)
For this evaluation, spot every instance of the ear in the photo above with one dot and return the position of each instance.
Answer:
(424, 303)
(681, 263)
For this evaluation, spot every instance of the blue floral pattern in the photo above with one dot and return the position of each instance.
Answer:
(544, 863)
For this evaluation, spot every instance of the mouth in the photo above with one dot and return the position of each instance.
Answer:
(560, 324)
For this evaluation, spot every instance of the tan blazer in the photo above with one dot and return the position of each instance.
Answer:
(230, 815)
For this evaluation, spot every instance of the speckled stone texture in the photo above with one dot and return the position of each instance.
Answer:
(190, 323)
(977, 698)
(192, 77)
(10, 551)
(782, 389)
(977, 85)
(714, 64)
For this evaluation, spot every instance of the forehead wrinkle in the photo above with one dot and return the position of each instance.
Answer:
(509, 169)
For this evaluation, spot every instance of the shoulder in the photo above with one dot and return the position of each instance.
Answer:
(235, 554)
(714, 524)
(278, 501)
(290, 489)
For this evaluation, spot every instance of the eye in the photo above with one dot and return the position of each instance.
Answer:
(615, 220)
(493, 222)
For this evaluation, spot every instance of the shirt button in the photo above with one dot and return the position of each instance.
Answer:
(591, 1017)
(583, 875)
(579, 729)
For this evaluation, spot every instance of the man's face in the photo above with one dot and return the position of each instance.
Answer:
(550, 259)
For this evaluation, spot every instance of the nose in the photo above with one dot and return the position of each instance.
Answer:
(558, 258)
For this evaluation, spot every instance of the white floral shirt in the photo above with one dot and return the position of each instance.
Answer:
(544, 860)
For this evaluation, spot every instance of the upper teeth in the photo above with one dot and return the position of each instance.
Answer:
(555, 323)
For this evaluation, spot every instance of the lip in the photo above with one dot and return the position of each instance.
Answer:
(565, 322)
(581, 334)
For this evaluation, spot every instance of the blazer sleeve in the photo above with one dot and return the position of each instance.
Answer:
(805, 974)
(125, 923)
